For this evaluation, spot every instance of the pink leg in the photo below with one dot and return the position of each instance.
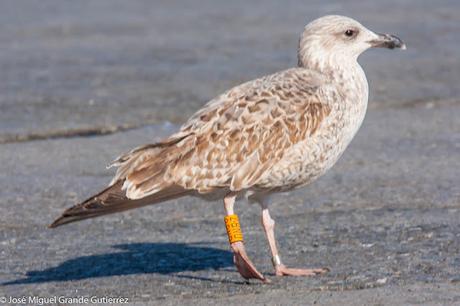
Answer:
(280, 269)
(242, 262)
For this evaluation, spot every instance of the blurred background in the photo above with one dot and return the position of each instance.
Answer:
(74, 64)
(385, 219)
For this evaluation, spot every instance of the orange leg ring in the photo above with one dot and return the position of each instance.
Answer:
(233, 228)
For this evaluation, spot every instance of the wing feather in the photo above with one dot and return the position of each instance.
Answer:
(234, 139)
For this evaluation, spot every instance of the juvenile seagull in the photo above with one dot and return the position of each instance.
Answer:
(272, 134)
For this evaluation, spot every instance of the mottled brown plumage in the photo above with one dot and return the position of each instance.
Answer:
(226, 146)
(113, 200)
(233, 140)
(271, 134)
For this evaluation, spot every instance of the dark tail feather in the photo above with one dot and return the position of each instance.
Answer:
(112, 200)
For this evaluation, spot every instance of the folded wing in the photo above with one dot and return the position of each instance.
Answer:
(233, 140)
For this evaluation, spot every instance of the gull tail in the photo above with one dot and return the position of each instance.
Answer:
(112, 200)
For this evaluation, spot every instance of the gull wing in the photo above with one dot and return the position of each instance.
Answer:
(234, 139)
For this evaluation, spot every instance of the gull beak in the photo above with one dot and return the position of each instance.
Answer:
(387, 41)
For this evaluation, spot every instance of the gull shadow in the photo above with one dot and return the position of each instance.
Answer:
(135, 258)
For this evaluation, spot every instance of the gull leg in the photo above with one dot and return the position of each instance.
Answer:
(242, 262)
(280, 269)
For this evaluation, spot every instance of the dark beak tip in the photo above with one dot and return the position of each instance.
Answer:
(389, 41)
(397, 42)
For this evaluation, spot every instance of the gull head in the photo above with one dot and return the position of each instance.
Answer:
(337, 40)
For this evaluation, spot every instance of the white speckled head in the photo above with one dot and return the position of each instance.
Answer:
(338, 39)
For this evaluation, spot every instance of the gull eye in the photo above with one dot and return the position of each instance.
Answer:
(349, 33)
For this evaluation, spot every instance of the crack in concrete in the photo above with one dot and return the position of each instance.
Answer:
(112, 129)
(69, 133)
(415, 103)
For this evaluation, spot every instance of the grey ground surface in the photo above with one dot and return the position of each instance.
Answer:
(385, 220)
